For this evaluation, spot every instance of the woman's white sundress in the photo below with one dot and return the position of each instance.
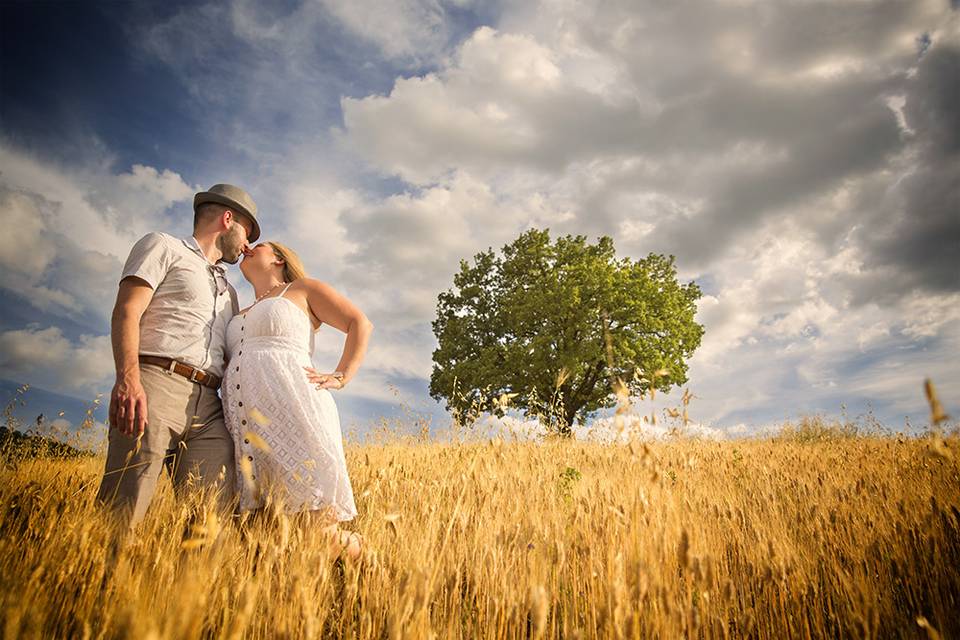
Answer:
(265, 391)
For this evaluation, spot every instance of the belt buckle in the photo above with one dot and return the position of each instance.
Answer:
(193, 375)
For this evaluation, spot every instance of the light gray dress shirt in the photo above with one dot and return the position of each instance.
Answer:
(191, 301)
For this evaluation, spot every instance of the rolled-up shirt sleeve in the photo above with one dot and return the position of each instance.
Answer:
(149, 260)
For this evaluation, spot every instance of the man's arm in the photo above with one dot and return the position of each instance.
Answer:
(128, 400)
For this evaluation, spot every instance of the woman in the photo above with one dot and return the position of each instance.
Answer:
(284, 421)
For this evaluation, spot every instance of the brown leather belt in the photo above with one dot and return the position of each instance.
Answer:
(194, 375)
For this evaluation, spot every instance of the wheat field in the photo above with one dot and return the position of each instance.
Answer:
(797, 536)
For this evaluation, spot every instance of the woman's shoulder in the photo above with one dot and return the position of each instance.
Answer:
(309, 285)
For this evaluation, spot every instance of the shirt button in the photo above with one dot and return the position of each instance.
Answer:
(238, 368)
(240, 353)
(246, 441)
(240, 403)
(250, 458)
(243, 422)
(238, 386)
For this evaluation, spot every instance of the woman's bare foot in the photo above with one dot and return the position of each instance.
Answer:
(347, 543)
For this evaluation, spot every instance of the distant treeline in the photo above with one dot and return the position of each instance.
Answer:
(16, 444)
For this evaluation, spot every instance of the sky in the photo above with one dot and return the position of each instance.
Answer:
(800, 159)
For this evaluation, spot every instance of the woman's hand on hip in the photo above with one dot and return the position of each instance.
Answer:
(324, 380)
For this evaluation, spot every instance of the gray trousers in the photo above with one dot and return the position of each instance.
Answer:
(185, 433)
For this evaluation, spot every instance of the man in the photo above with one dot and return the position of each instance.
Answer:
(164, 408)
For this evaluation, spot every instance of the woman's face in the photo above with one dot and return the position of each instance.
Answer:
(259, 259)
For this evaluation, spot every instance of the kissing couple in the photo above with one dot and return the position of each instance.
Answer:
(179, 336)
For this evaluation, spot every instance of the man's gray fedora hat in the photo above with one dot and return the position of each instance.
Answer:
(235, 198)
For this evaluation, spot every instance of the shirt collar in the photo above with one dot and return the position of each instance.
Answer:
(192, 244)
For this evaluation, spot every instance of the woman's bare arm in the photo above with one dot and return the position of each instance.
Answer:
(331, 307)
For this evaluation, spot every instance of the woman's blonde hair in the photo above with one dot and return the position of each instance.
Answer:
(292, 265)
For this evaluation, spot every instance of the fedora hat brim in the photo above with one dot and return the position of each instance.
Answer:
(206, 196)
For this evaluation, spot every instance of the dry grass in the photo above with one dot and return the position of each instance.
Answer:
(786, 537)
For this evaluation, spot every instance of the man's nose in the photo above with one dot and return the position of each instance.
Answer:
(246, 250)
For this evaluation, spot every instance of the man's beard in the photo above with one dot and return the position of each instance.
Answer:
(231, 247)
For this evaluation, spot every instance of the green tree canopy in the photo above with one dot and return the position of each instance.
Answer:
(553, 325)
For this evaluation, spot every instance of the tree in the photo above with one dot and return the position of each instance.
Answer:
(555, 327)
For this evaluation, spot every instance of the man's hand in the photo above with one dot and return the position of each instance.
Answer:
(128, 406)
(323, 380)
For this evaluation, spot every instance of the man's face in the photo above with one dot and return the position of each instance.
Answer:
(234, 241)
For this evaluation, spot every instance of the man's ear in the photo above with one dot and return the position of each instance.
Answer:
(226, 218)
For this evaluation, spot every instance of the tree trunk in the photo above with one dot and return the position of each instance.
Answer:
(565, 425)
(576, 398)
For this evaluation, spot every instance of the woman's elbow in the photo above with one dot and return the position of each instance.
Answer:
(362, 324)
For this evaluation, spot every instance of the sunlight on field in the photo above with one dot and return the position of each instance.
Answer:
(780, 537)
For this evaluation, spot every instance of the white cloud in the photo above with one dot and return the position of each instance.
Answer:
(46, 358)
(69, 229)
(24, 249)
(784, 338)
(166, 185)
(897, 380)
(490, 104)
(314, 221)
(926, 316)
(65, 192)
(407, 29)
